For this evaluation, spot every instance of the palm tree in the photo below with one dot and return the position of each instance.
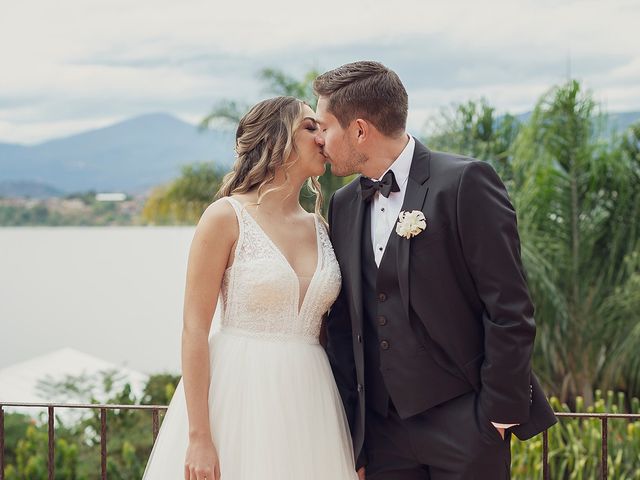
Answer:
(578, 200)
(229, 112)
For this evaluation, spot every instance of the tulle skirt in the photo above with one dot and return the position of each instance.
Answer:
(275, 414)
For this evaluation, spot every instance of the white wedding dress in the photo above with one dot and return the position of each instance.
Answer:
(275, 411)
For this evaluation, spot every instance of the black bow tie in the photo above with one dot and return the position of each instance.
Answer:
(385, 186)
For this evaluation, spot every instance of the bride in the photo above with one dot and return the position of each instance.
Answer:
(257, 399)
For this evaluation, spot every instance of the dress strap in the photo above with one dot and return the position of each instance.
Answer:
(238, 208)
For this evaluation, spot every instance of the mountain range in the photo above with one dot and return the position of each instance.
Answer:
(132, 156)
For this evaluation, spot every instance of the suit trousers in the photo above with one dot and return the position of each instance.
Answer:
(451, 441)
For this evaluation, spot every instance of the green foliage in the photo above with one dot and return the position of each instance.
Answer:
(15, 428)
(183, 200)
(575, 444)
(630, 145)
(31, 458)
(577, 194)
(578, 202)
(77, 444)
(159, 389)
(473, 129)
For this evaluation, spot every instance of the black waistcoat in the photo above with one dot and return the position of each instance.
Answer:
(398, 355)
(376, 393)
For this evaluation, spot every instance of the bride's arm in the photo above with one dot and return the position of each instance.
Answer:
(211, 249)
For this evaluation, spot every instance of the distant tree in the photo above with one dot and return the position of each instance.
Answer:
(474, 129)
(229, 112)
(159, 389)
(31, 461)
(630, 145)
(82, 387)
(183, 200)
(15, 428)
(129, 433)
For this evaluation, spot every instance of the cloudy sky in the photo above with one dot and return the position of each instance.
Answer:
(72, 65)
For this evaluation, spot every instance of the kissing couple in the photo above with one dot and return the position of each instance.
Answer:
(414, 280)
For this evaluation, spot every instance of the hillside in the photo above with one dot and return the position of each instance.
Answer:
(129, 156)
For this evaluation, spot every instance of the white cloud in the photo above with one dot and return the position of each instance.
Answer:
(35, 132)
(76, 62)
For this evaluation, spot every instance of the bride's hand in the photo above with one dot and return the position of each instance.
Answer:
(201, 462)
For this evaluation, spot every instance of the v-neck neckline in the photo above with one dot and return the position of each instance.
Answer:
(299, 306)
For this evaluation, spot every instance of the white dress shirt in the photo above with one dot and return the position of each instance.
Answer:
(385, 211)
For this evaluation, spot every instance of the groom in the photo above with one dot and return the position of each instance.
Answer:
(431, 337)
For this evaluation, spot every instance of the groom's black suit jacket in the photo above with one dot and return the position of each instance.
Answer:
(456, 314)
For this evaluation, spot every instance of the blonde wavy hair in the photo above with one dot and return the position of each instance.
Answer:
(264, 142)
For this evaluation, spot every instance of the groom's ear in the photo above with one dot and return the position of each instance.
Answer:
(362, 130)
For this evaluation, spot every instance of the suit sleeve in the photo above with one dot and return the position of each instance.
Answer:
(340, 344)
(488, 232)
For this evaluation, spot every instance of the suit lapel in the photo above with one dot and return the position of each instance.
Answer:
(354, 260)
(414, 198)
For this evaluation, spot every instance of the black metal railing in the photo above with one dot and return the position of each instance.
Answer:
(51, 468)
(155, 419)
(604, 437)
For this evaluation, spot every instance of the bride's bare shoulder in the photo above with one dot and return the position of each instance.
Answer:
(219, 219)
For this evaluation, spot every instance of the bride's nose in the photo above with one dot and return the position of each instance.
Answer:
(320, 140)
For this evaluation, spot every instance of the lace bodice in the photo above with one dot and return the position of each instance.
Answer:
(260, 291)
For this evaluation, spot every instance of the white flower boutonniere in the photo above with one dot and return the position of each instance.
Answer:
(411, 223)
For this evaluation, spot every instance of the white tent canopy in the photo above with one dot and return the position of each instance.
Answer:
(19, 382)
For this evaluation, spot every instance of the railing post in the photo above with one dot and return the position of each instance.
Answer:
(545, 455)
(103, 442)
(52, 445)
(605, 441)
(156, 423)
(1, 443)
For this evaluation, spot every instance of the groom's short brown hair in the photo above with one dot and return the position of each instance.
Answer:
(367, 90)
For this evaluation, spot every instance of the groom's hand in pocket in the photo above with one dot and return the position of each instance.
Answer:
(502, 427)
(361, 473)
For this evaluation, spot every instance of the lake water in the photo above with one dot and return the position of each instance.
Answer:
(113, 292)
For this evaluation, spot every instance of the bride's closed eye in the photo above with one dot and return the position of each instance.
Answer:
(310, 124)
